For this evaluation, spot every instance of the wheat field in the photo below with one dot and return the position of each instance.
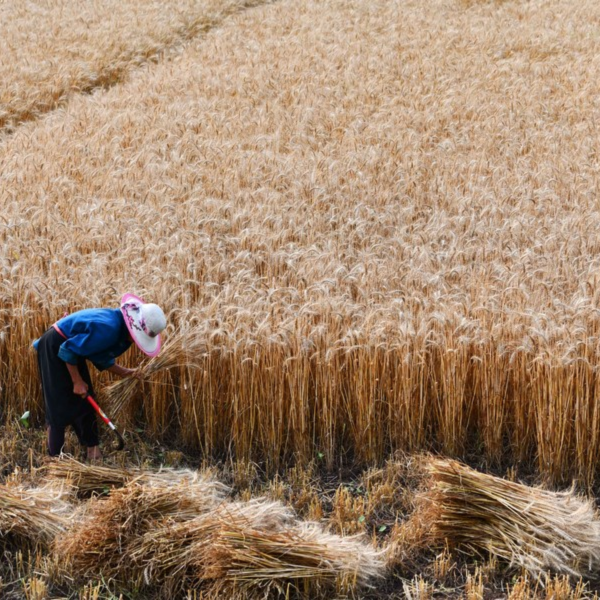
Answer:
(378, 221)
(52, 49)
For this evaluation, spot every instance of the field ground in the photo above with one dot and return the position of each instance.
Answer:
(373, 227)
(376, 503)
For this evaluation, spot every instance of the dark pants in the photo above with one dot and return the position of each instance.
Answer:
(86, 429)
(63, 407)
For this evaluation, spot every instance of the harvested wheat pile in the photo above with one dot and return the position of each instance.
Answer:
(528, 527)
(31, 517)
(256, 559)
(89, 479)
(174, 557)
(257, 547)
(105, 531)
(170, 536)
(85, 478)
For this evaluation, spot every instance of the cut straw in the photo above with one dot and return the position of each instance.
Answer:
(31, 517)
(528, 527)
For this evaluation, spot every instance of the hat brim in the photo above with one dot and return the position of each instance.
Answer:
(148, 345)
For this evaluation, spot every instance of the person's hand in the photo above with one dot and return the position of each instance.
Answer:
(136, 373)
(80, 388)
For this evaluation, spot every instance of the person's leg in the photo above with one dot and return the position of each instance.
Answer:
(94, 454)
(56, 440)
(86, 428)
(57, 389)
(90, 437)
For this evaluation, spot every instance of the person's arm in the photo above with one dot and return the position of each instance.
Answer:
(93, 344)
(80, 387)
(124, 371)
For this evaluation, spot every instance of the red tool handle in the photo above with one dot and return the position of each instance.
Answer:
(120, 440)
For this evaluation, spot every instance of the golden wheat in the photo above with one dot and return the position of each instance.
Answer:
(52, 50)
(378, 219)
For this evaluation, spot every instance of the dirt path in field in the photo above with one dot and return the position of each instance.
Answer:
(48, 67)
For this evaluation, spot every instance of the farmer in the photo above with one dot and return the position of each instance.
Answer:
(98, 335)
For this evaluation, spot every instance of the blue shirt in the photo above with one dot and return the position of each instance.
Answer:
(97, 334)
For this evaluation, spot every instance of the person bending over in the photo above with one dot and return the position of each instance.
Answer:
(99, 335)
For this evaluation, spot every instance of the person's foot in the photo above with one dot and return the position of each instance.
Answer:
(94, 455)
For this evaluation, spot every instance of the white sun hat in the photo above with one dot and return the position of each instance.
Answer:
(145, 322)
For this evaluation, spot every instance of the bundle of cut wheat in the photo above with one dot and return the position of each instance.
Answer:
(103, 536)
(166, 554)
(87, 479)
(256, 547)
(31, 517)
(181, 350)
(528, 527)
(174, 556)
(90, 479)
(258, 559)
